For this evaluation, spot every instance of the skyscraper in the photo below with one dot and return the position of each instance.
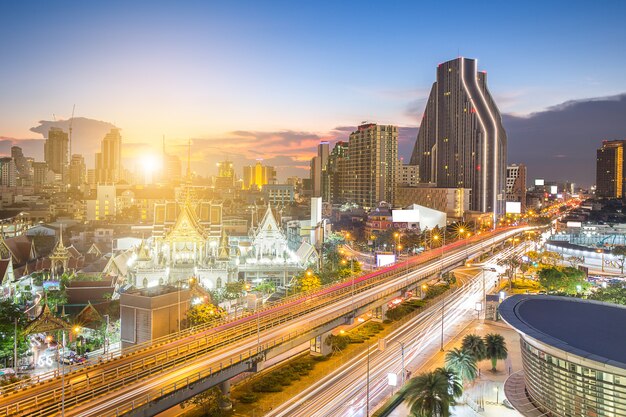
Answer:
(8, 172)
(336, 172)
(610, 169)
(461, 141)
(318, 171)
(55, 151)
(109, 159)
(372, 165)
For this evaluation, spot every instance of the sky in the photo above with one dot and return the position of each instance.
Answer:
(250, 79)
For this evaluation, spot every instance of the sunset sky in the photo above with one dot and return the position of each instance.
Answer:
(269, 79)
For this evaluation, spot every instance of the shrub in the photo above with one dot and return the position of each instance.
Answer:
(248, 398)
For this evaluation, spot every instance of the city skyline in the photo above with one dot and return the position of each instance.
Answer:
(265, 76)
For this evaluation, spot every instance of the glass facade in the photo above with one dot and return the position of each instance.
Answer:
(568, 389)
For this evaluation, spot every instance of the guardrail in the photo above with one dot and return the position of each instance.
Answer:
(114, 378)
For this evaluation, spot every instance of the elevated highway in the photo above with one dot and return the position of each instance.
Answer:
(156, 376)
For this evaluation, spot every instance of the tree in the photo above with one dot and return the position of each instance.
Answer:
(204, 313)
(463, 363)
(208, 402)
(455, 384)
(9, 312)
(569, 280)
(475, 346)
(620, 253)
(496, 349)
(308, 281)
(614, 293)
(428, 395)
(233, 289)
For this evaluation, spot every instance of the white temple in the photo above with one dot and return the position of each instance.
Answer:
(187, 248)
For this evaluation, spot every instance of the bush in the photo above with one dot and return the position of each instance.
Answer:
(248, 398)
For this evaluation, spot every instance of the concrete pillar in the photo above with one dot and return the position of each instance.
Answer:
(225, 403)
(319, 347)
(379, 314)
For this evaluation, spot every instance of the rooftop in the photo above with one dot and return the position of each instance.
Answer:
(590, 329)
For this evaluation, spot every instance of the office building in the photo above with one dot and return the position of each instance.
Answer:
(573, 356)
(104, 206)
(258, 175)
(610, 169)
(461, 142)
(55, 152)
(172, 169)
(516, 185)
(372, 165)
(78, 171)
(109, 159)
(23, 166)
(40, 174)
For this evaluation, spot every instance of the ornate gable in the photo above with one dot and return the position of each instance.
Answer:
(187, 227)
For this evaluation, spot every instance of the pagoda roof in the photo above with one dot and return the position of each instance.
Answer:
(45, 322)
(187, 227)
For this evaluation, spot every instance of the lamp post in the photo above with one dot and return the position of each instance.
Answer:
(601, 252)
(402, 353)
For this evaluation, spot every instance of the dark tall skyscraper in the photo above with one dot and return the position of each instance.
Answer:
(461, 141)
(610, 169)
(55, 152)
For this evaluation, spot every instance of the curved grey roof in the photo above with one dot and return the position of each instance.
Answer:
(589, 329)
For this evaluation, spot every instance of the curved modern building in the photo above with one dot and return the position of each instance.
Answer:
(573, 354)
(461, 142)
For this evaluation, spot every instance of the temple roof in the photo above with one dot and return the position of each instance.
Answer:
(45, 322)
(187, 227)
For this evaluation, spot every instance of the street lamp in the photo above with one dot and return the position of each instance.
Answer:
(601, 251)
(424, 289)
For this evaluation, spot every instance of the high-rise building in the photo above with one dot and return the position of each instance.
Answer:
(409, 175)
(610, 169)
(109, 159)
(21, 163)
(319, 163)
(336, 171)
(516, 184)
(8, 173)
(172, 168)
(78, 171)
(40, 174)
(55, 152)
(225, 179)
(256, 176)
(372, 165)
(461, 142)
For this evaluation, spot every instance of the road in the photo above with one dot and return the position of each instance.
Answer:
(132, 379)
(344, 392)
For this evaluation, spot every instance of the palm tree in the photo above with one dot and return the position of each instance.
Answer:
(496, 349)
(474, 345)
(455, 384)
(428, 395)
(463, 363)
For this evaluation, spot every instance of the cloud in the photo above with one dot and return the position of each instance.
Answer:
(30, 147)
(86, 134)
(560, 143)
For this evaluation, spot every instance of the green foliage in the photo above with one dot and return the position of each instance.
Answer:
(614, 293)
(496, 349)
(9, 312)
(475, 346)
(463, 363)
(307, 281)
(274, 381)
(337, 342)
(431, 394)
(204, 313)
(567, 280)
(404, 308)
(249, 398)
(436, 290)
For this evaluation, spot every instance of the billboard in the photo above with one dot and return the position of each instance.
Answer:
(513, 207)
(539, 181)
(574, 224)
(384, 259)
(405, 216)
(554, 189)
